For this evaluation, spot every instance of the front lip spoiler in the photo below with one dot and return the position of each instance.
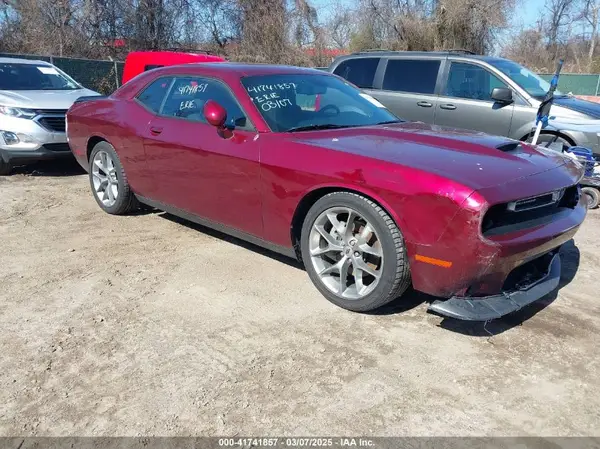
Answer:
(491, 307)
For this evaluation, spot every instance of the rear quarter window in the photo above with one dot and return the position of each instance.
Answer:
(359, 71)
(411, 75)
(153, 95)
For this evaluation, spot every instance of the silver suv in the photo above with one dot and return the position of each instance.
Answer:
(460, 90)
(34, 98)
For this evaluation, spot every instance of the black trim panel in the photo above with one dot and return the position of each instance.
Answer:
(289, 252)
(496, 306)
(17, 157)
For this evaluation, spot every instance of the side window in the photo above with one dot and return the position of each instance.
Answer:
(188, 95)
(411, 75)
(153, 95)
(359, 71)
(471, 81)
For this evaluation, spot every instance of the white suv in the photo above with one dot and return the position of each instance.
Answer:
(34, 98)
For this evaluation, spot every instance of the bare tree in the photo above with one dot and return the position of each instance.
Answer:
(590, 13)
(279, 31)
(432, 24)
(342, 25)
(560, 16)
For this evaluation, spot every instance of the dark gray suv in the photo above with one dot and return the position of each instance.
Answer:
(460, 90)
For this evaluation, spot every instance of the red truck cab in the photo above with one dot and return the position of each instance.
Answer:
(141, 61)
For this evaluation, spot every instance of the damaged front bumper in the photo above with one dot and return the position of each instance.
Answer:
(495, 306)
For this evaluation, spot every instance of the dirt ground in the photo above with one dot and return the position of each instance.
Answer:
(146, 325)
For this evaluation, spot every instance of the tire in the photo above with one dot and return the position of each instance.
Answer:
(124, 201)
(5, 168)
(391, 266)
(592, 196)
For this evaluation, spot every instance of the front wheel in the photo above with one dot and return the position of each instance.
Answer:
(353, 252)
(109, 182)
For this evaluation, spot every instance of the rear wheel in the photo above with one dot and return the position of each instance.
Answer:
(5, 168)
(109, 182)
(354, 252)
(592, 197)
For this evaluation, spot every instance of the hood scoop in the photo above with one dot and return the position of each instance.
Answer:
(510, 147)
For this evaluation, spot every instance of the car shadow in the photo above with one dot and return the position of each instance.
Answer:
(408, 301)
(570, 257)
(569, 252)
(234, 240)
(52, 168)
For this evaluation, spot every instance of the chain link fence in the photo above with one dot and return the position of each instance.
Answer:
(101, 76)
(577, 84)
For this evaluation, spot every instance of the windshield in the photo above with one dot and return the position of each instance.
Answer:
(533, 84)
(34, 77)
(302, 102)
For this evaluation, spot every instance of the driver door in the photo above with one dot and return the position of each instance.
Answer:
(465, 101)
(197, 170)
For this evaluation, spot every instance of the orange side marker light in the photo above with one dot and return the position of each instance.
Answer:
(432, 261)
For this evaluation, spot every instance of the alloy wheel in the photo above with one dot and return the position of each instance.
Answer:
(105, 180)
(346, 252)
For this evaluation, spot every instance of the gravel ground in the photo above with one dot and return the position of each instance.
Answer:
(148, 325)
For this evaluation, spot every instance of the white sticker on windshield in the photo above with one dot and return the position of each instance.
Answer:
(48, 70)
(372, 100)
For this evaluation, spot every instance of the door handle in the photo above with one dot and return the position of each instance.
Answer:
(448, 106)
(424, 104)
(155, 130)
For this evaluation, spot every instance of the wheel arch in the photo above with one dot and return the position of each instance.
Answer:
(314, 195)
(552, 132)
(91, 143)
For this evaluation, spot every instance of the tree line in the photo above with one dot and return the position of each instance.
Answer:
(302, 32)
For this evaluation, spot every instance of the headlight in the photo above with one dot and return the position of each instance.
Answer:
(17, 112)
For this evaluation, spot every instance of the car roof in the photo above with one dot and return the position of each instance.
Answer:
(23, 61)
(243, 69)
(442, 54)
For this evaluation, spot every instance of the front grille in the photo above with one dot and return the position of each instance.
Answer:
(51, 111)
(529, 212)
(51, 123)
(58, 147)
(536, 201)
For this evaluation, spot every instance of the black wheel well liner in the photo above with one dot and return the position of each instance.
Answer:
(552, 133)
(92, 142)
(308, 201)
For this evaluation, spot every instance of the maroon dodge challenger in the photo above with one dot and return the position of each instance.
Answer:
(302, 162)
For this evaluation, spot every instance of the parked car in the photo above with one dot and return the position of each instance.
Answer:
(34, 98)
(370, 204)
(461, 90)
(138, 62)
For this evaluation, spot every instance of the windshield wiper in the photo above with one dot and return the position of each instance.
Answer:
(317, 127)
(390, 121)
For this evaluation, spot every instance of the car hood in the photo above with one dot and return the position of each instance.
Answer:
(42, 99)
(589, 108)
(470, 158)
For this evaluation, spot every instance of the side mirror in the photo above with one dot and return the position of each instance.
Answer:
(215, 114)
(502, 95)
